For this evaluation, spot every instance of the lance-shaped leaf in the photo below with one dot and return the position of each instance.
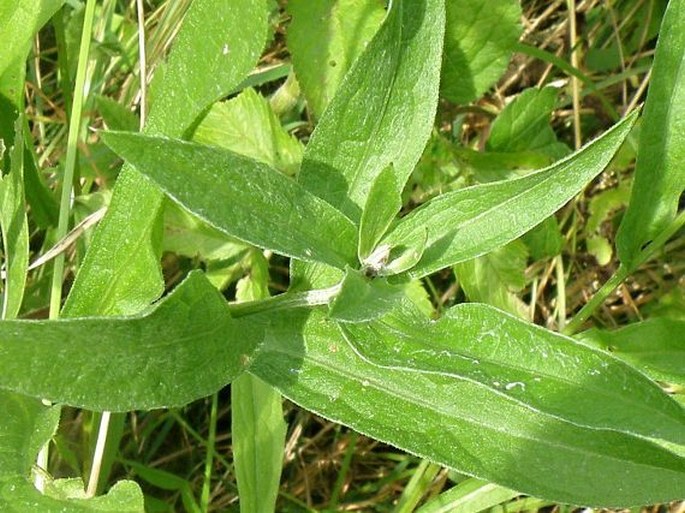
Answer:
(382, 112)
(218, 43)
(468, 496)
(545, 371)
(257, 426)
(324, 39)
(659, 172)
(14, 228)
(462, 424)
(382, 205)
(25, 426)
(19, 22)
(242, 197)
(470, 222)
(656, 346)
(185, 348)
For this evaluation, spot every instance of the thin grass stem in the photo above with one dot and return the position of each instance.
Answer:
(72, 151)
(209, 459)
(94, 477)
(621, 274)
(67, 179)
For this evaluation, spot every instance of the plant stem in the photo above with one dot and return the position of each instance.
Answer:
(72, 150)
(98, 454)
(622, 273)
(285, 301)
(142, 58)
(209, 459)
(575, 83)
(596, 301)
(343, 472)
(561, 293)
(67, 179)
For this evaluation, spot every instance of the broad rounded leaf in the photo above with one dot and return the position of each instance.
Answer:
(26, 425)
(657, 346)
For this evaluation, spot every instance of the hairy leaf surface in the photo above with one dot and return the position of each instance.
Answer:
(383, 111)
(470, 222)
(657, 346)
(324, 39)
(543, 370)
(659, 172)
(185, 348)
(19, 21)
(25, 426)
(462, 424)
(242, 197)
(214, 50)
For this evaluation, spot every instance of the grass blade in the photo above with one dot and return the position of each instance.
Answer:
(257, 425)
(14, 228)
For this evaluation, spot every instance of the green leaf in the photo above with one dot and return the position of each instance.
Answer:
(545, 240)
(523, 125)
(540, 369)
(496, 277)
(115, 115)
(14, 228)
(257, 425)
(166, 481)
(258, 434)
(19, 21)
(218, 44)
(470, 222)
(469, 496)
(600, 208)
(382, 205)
(247, 125)
(185, 348)
(656, 346)
(242, 197)
(382, 112)
(361, 299)
(186, 235)
(44, 208)
(659, 172)
(324, 39)
(25, 426)
(465, 425)
(479, 41)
